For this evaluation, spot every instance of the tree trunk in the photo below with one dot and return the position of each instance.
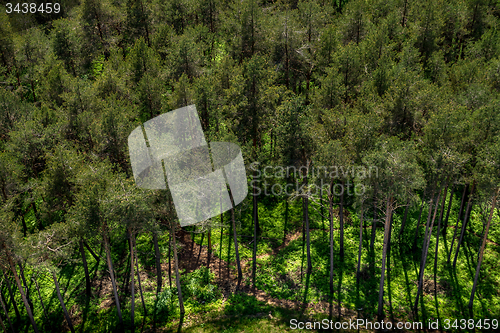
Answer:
(27, 291)
(158, 264)
(425, 250)
(132, 284)
(404, 219)
(464, 224)
(305, 208)
(96, 257)
(7, 314)
(209, 245)
(66, 314)
(415, 238)
(41, 301)
(437, 238)
(18, 282)
(374, 222)
(330, 215)
(360, 248)
(481, 252)
(445, 224)
(341, 219)
(458, 221)
(139, 282)
(112, 276)
(14, 304)
(256, 223)
(236, 251)
(88, 290)
(176, 267)
(387, 241)
(170, 260)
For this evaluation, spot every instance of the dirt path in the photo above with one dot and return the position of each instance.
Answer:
(193, 256)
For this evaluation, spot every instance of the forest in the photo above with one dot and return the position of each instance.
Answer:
(370, 133)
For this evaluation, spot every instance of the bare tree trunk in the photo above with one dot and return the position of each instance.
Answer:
(19, 286)
(158, 264)
(415, 238)
(404, 219)
(170, 260)
(458, 221)
(88, 289)
(387, 227)
(40, 297)
(445, 224)
(96, 257)
(374, 222)
(341, 219)
(112, 276)
(464, 224)
(7, 314)
(176, 266)
(425, 250)
(14, 304)
(139, 282)
(237, 253)
(360, 248)
(481, 252)
(66, 314)
(209, 245)
(305, 208)
(255, 231)
(330, 215)
(132, 284)
(27, 291)
(437, 238)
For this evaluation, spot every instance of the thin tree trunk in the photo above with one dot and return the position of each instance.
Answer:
(14, 304)
(66, 314)
(19, 286)
(158, 264)
(415, 238)
(132, 284)
(341, 219)
(256, 223)
(404, 219)
(425, 250)
(176, 266)
(330, 215)
(458, 221)
(96, 257)
(27, 291)
(112, 276)
(360, 248)
(7, 314)
(40, 297)
(481, 252)
(209, 245)
(1, 322)
(387, 227)
(437, 238)
(445, 224)
(139, 282)
(237, 253)
(305, 208)
(464, 224)
(374, 222)
(88, 290)
(170, 260)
